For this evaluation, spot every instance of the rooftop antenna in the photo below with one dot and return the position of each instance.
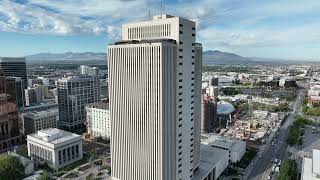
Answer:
(162, 6)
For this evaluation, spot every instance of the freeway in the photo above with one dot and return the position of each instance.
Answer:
(262, 166)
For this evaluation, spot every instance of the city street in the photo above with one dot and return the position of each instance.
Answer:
(262, 167)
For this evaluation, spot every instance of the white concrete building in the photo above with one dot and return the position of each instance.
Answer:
(311, 166)
(98, 120)
(36, 120)
(155, 84)
(55, 147)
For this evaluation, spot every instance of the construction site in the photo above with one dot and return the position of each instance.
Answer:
(223, 118)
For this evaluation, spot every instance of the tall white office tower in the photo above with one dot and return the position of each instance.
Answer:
(155, 100)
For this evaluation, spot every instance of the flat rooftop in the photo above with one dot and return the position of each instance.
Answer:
(99, 105)
(54, 135)
(41, 114)
(144, 41)
(222, 142)
(209, 159)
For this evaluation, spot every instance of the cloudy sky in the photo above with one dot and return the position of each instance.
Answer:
(261, 28)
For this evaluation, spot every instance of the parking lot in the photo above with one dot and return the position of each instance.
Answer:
(311, 139)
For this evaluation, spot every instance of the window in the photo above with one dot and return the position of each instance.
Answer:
(181, 50)
(192, 63)
(191, 170)
(192, 108)
(180, 32)
(180, 100)
(192, 50)
(180, 169)
(191, 128)
(192, 79)
(191, 145)
(192, 96)
(191, 139)
(191, 120)
(193, 28)
(180, 93)
(179, 165)
(180, 141)
(180, 160)
(191, 161)
(181, 25)
(180, 134)
(180, 147)
(180, 58)
(192, 72)
(180, 87)
(193, 34)
(180, 106)
(180, 42)
(191, 114)
(193, 44)
(180, 119)
(180, 125)
(192, 57)
(180, 80)
(180, 112)
(192, 84)
(180, 153)
(180, 74)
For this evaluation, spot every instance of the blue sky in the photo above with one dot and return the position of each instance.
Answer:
(269, 28)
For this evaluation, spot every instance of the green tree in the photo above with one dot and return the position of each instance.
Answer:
(10, 168)
(45, 176)
(23, 150)
(288, 170)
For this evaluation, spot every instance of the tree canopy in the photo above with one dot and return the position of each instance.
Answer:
(10, 168)
(288, 170)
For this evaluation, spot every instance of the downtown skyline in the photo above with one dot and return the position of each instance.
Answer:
(272, 29)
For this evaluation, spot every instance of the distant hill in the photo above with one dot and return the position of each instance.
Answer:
(87, 56)
(209, 58)
(217, 57)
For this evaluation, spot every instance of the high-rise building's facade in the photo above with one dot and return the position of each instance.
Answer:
(155, 100)
(15, 67)
(37, 120)
(74, 93)
(9, 121)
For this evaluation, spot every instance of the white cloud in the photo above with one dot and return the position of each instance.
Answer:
(221, 23)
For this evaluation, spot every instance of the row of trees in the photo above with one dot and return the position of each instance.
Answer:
(288, 170)
(281, 107)
(296, 130)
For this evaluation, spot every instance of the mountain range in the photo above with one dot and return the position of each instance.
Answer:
(209, 58)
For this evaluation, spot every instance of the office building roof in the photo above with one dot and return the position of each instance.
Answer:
(54, 135)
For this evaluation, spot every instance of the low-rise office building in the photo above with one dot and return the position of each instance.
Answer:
(98, 120)
(55, 147)
(235, 148)
(37, 120)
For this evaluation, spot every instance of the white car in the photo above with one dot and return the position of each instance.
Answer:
(269, 177)
(277, 169)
